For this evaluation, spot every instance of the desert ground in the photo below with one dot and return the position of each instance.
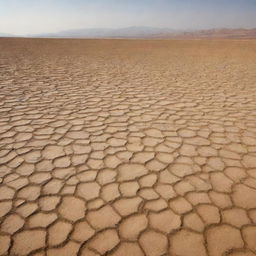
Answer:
(127, 147)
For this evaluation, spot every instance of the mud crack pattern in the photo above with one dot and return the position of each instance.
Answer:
(119, 148)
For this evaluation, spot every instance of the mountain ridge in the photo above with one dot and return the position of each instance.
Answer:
(126, 32)
(145, 32)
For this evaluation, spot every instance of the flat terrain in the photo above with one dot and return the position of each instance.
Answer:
(127, 147)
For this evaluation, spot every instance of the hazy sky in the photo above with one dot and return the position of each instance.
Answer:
(40, 16)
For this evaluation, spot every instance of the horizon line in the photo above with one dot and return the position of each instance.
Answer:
(6, 34)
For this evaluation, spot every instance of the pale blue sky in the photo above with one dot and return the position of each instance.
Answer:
(41, 16)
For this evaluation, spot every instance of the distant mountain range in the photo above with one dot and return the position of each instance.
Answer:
(129, 32)
(221, 33)
(6, 35)
(147, 32)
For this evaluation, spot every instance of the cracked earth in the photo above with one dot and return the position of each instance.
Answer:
(120, 148)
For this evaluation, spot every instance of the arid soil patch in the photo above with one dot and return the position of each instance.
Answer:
(127, 147)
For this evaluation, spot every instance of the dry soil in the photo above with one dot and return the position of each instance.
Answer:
(127, 147)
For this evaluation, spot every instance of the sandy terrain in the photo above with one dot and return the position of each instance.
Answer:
(127, 148)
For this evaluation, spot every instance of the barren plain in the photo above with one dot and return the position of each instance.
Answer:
(127, 147)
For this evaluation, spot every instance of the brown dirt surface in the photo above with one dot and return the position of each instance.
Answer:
(127, 147)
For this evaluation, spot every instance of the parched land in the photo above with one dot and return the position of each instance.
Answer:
(127, 147)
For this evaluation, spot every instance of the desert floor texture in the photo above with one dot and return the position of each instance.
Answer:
(127, 147)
